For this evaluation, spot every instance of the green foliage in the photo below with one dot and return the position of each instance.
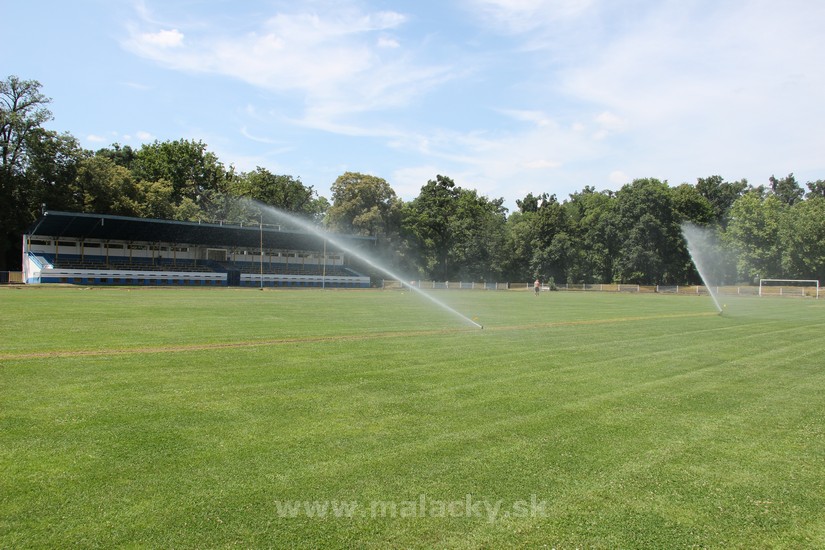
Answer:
(367, 205)
(594, 232)
(786, 189)
(427, 222)
(457, 233)
(753, 231)
(364, 205)
(53, 161)
(280, 191)
(648, 233)
(816, 188)
(803, 233)
(479, 237)
(122, 155)
(103, 186)
(23, 111)
(187, 165)
(721, 195)
(690, 205)
(539, 239)
(446, 232)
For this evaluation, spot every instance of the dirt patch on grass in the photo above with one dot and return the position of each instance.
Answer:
(183, 348)
(207, 346)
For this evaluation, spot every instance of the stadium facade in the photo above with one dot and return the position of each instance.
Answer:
(95, 249)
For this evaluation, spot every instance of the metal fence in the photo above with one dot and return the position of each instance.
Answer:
(390, 284)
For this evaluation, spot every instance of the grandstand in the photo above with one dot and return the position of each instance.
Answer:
(94, 249)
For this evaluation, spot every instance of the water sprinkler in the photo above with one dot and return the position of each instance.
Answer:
(327, 237)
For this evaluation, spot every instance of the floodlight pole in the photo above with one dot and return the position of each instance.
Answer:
(324, 272)
(262, 249)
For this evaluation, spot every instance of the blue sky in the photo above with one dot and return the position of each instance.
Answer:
(504, 96)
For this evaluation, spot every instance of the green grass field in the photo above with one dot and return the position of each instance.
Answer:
(216, 418)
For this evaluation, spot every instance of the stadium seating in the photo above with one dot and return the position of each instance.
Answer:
(117, 270)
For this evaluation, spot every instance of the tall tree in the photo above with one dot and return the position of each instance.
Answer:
(531, 202)
(802, 235)
(365, 205)
(23, 111)
(427, 221)
(787, 189)
(753, 232)
(690, 205)
(594, 231)
(103, 187)
(53, 166)
(279, 191)
(194, 172)
(122, 155)
(721, 195)
(649, 234)
(816, 188)
(478, 233)
(540, 237)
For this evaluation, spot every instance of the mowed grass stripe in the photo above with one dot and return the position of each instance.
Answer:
(56, 353)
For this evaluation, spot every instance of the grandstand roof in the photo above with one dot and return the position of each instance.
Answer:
(74, 225)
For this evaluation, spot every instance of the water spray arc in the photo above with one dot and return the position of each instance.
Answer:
(699, 247)
(328, 238)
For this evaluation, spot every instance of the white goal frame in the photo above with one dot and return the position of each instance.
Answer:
(796, 282)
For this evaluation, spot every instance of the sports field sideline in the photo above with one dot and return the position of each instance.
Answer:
(227, 417)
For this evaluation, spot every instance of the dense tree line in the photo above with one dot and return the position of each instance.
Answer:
(447, 232)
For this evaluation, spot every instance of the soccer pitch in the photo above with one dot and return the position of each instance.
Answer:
(308, 418)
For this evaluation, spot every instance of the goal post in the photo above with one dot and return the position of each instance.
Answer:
(789, 287)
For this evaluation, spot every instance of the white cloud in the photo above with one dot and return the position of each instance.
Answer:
(408, 181)
(675, 90)
(738, 97)
(341, 61)
(618, 177)
(607, 123)
(117, 137)
(541, 159)
(388, 42)
(542, 164)
(660, 69)
(609, 120)
(539, 118)
(245, 133)
(519, 16)
(162, 39)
